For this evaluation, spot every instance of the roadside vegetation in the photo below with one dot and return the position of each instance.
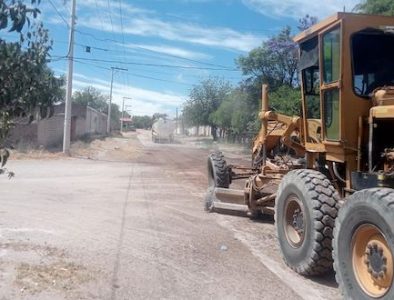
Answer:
(232, 110)
(29, 88)
(146, 122)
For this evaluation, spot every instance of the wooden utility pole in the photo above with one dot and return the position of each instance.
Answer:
(110, 97)
(67, 105)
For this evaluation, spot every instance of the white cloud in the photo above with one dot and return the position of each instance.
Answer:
(298, 8)
(171, 51)
(176, 31)
(144, 102)
(114, 6)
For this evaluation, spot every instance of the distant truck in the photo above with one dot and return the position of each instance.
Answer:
(163, 131)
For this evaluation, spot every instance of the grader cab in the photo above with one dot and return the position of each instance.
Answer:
(328, 174)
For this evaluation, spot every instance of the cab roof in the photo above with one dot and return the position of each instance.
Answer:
(315, 29)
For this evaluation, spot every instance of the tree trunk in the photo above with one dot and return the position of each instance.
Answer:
(214, 133)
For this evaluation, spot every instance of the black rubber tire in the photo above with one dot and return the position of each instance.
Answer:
(374, 206)
(218, 176)
(320, 201)
(218, 172)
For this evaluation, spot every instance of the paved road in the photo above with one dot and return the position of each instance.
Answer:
(133, 227)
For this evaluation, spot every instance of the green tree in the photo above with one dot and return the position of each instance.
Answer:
(92, 97)
(235, 117)
(286, 100)
(142, 122)
(377, 7)
(116, 114)
(306, 22)
(274, 62)
(157, 116)
(204, 99)
(28, 88)
(223, 115)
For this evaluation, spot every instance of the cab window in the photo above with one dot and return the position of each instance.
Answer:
(331, 55)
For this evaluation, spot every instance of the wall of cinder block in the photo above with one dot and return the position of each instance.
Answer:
(49, 132)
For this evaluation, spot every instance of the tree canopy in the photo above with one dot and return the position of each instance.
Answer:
(92, 97)
(378, 7)
(274, 62)
(204, 99)
(142, 122)
(28, 88)
(234, 110)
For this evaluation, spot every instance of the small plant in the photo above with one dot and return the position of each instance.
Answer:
(4, 155)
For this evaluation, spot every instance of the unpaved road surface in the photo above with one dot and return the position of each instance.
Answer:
(126, 221)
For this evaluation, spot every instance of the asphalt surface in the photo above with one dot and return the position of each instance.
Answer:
(127, 222)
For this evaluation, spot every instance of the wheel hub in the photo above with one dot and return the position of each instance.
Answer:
(294, 223)
(375, 260)
(298, 221)
(372, 261)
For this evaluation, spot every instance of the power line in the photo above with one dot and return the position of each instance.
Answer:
(180, 57)
(86, 45)
(158, 79)
(135, 74)
(94, 37)
(110, 16)
(121, 26)
(90, 64)
(98, 12)
(150, 50)
(58, 12)
(146, 76)
(153, 65)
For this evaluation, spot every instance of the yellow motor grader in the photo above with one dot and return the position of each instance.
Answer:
(328, 175)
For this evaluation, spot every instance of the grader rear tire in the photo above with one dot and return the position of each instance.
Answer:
(305, 212)
(364, 244)
(218, 176)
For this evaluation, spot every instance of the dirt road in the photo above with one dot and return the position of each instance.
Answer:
(125, 221)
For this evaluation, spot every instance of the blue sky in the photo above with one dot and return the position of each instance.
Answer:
(167, 45)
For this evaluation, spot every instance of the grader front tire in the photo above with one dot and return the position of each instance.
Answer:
(218, 176)
(363, 245)
(305, 212)
(218, 173)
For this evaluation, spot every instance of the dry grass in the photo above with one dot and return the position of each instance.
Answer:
(111, 148)
(59, 275)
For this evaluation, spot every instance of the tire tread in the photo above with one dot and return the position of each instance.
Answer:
(377, 196)
(325, 208)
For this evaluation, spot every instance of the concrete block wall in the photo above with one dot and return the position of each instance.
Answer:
(96, 122)
(50, 131)
(24, 133)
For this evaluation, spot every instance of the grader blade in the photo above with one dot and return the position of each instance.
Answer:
(228, 200)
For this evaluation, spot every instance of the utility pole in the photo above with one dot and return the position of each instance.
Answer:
(110, 98)
(67, 105)
(121, 120)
